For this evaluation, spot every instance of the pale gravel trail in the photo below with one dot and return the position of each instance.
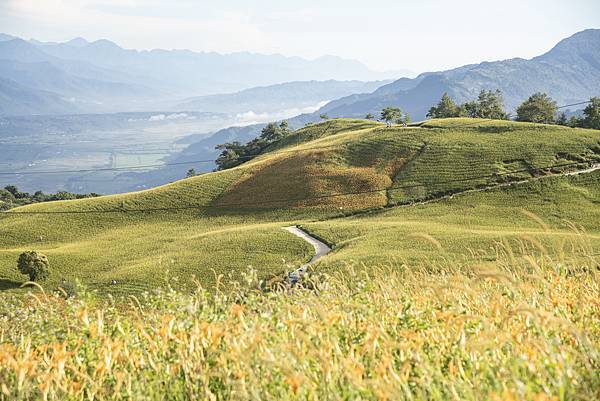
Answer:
(321, 249)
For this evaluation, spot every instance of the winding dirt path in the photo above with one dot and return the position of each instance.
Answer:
(593, 168)
(321, 249)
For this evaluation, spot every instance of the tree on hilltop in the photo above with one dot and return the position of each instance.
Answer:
(446, 108)
(468, 109)
(274, 132)
(11, 197)
(590, 118)
(591, 114)
(369, 116)
(490, 104)
(575, 122)
(234, 153)
(539, 108)
(391, 115)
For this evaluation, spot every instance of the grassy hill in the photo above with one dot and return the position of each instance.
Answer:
(221, 223)
(556, 217)
(463, 267)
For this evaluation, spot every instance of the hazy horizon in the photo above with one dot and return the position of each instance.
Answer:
(455, 34)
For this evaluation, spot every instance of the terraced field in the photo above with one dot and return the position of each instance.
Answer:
(222, 223)
(557, 217)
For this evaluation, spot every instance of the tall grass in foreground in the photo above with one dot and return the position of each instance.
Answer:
(525, 330)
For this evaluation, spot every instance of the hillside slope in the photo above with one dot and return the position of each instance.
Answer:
(16, 99)
(219, 223)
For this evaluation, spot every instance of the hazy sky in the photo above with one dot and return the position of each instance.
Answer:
(419, 35)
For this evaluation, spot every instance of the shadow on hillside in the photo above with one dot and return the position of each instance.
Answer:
(6, 284)
(496, 130)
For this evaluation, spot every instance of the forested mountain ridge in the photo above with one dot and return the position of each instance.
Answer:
(569, 72)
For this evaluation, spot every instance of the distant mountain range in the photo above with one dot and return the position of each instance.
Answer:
(570, 72)
(80, 76)
(83, 77)
(284, 96)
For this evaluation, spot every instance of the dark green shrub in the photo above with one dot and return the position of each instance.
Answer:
(34, 264)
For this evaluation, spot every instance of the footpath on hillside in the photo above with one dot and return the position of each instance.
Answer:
(321, 249)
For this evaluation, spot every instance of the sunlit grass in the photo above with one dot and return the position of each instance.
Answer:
(522, 330)
(306, 179)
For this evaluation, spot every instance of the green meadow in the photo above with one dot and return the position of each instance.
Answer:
(324, 177)
(464, 266)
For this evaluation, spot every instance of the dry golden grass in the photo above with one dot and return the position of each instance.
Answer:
(305, 179)
(508, 332)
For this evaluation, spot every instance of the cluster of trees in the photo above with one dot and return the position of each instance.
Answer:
(538, 108)
(234, 153)
(10, 197)
(590, 119)
(489, 104)
(391, 115)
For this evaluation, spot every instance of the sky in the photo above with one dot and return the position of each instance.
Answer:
(421, 35)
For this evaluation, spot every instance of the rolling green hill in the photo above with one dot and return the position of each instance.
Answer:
(221, 223)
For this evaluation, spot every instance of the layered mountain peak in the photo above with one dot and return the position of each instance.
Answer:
(4, 37)
(569, 73)
(77, 42)
(584, 47)
(20, 50)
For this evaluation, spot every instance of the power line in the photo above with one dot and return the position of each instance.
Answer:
(574, 104)
(101, 169)
(299, 199)
(250, 157)
(152, 165)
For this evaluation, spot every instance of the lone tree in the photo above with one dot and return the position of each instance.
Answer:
(391, 115)
(591, 114)
(539, 108)
(369, 117)
(446, 108)
(34, 264)
(324, 116)
(190, 173)
(491, 105)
